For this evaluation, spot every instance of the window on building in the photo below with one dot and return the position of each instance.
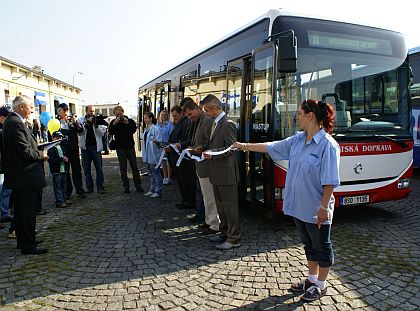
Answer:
(6, 96)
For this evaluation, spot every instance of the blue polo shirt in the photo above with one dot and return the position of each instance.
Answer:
(311, 166)
(166, 130)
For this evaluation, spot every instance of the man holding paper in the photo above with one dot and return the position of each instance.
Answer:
(223, 174)
(23, 172)
(199, 142)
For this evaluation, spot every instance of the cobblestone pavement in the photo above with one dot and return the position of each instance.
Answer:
(125, 251)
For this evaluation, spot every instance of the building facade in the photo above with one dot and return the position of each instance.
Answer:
(47, 92)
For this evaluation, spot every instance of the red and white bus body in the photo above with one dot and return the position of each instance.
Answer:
(369, 172)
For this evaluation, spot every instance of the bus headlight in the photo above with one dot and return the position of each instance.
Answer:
(278, 194)
(403, 183)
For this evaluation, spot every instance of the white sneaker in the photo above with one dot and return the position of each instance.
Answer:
(166, 181)
(155, 195)
(148, 194)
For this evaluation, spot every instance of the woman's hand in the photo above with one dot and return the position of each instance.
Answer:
(322, 217)
(240, 146)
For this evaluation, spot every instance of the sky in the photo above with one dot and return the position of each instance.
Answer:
(119, 45)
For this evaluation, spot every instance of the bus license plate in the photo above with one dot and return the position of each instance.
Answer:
(360, 199)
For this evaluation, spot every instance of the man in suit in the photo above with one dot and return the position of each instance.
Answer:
(185, 174)
(200, 141)
(223, 174)
(24, 173)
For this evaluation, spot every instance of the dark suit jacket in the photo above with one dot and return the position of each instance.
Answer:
(23, 162)
(201, 138)
(178, 135)
(223, 169)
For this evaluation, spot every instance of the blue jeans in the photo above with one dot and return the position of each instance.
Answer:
(60, 186)
(156, 179)
(4, 198)
(317, 243)
(88, 156)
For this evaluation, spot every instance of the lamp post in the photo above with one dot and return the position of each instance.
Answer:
(78, 72)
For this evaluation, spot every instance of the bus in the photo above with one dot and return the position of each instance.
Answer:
(414, 58)
(263, 71)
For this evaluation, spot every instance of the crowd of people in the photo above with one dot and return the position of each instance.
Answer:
(196, 150)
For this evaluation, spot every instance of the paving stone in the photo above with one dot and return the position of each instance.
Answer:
(117, 252)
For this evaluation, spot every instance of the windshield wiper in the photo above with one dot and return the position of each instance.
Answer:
(399, 142)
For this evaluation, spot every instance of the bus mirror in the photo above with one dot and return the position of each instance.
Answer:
(287, 54)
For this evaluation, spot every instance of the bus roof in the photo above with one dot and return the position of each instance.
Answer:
(271, 15)
(414, 50)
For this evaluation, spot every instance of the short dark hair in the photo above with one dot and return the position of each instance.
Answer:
(189, 105)
(176, 108)
(211, 99)
(186, 100)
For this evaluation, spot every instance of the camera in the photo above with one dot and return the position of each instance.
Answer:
(97, 119)
(71, 116)
(121, 119)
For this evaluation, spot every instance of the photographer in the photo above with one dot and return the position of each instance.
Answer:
(90, 141)
(70, 128)
(123, 129)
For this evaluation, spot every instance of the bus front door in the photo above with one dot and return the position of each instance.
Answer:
(238, 105)
(261, 129)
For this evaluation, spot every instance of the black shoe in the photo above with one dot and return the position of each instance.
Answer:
(37, 242)
(101, 190)
(68, 202)
(34, 251)
(139, 190)
(81, 195)
(42, 212)
(178, 205)
(90, 190)
(127, 190)
(185, 207)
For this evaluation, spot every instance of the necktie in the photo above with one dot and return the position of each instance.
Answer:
(213, 127)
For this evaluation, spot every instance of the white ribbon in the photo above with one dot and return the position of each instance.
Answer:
(173, 146)
(182, 155)
(198, 159)
(162, 155)
(215, 153)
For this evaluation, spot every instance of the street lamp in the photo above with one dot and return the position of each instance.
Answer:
(80, 73)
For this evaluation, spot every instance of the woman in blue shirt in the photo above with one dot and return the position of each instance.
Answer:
(166, 127)
(312, 175)
(151, 154)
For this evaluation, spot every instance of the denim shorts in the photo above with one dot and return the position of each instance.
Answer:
(317, 243)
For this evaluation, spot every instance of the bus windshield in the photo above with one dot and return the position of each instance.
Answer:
(364, 80)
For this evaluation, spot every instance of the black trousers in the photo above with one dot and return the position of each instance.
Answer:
(26, 202)
(76, 174)
(186, 180)
(39, 200)
(129, 155)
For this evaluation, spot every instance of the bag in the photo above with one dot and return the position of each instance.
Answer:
(112, 143)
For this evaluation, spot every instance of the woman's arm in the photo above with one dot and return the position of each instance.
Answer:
(259, 147)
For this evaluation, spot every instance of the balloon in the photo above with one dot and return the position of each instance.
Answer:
(45, 117)
(53, 126)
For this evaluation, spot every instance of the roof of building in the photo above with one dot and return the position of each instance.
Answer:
(35, 72)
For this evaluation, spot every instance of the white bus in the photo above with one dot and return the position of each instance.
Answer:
(263, 71)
